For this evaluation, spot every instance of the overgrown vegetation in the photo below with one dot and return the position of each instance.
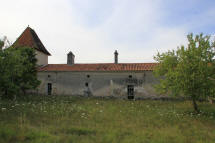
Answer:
(188, 71)
(55, 119)
(17, 71)
(1, 44)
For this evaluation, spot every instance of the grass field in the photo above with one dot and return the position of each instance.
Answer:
(82, 120)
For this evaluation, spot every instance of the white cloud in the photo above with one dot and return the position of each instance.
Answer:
(132, 27)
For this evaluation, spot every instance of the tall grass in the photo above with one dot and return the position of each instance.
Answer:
(57, 119)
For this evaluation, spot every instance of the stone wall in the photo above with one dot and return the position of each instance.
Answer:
(42, 59)
(98, 83)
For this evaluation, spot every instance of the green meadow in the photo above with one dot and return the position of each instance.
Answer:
(55, 119)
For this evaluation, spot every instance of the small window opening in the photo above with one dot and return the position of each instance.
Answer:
(130, 90)
(49, 75)
(88, 76)
(130, 76)
(86, 84)
(49, 88)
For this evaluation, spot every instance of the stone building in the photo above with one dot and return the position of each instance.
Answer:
(124, 80)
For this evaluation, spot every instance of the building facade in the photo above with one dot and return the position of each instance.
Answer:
(118, 80)
(123, 80)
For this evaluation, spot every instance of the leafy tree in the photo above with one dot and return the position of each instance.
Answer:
(188, 71)
(17, 70)
(29, 71)
(10, 71)
(1, 44)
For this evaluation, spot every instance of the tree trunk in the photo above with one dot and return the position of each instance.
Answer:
(195, 106)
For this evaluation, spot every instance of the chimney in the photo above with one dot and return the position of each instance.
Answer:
(70, 58)
(116, 57)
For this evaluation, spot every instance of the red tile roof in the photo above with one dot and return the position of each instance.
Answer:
(29, 38)
(99, 67)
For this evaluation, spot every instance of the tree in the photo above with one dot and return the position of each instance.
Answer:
(17, 70)
(1, 44)
(29, 71)
(10, 71)
(188, 71)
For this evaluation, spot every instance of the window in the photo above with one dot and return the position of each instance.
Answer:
(130, 76)
(130, 90)
(88, 76)
(49, 75)
(49, 88)
(86, 84)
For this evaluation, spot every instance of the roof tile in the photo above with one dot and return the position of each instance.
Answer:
(99, 67)
(30, 38)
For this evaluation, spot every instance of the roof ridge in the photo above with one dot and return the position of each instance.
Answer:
(33, 33)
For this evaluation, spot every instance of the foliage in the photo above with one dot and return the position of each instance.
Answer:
(67, 119)
(29, 71)
(188, 71)
(1, 44)
(17, 70)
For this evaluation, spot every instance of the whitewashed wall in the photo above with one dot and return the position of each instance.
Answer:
(99, 83)
(42, 59)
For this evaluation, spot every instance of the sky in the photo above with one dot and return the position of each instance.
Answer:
(94, 29)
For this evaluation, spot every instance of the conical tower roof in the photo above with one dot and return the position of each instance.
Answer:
(29, 38)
